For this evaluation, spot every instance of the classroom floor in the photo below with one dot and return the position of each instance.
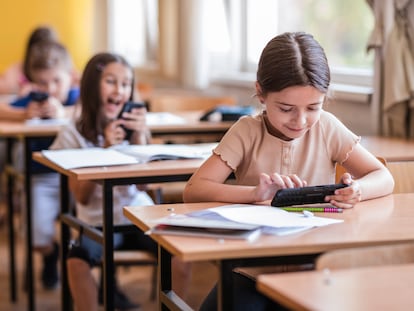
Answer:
(134, 281)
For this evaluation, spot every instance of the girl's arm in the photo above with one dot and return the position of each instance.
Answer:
(368, 178)
(208, 184)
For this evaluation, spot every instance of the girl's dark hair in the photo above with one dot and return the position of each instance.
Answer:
(293, 59)
(91, 121)
(38, 35)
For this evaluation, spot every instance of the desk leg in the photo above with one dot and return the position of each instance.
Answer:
(29, 247)
(10, 214)
(225, 286)
(108, 246)
(167, 298)
(65, 240)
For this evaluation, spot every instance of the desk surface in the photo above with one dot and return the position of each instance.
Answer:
(369, 288)
(156, 168)
(14, 128)
(374, 222)
(392, 149)
(11, 129)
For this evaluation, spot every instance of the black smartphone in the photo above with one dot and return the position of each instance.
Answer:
(128, 106)
(38, 96)
(304, 195)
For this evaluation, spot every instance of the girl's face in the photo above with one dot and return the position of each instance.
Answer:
(294, 110)
(115, 88)
(54, 81)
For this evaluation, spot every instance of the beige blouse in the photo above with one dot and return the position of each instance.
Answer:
(249, 149)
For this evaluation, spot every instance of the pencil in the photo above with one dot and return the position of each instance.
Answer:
(313, 209)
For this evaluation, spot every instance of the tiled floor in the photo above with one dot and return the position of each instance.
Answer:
(135, 281)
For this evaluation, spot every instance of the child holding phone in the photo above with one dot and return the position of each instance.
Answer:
(50, 68)
(292, 143)
(107, 85)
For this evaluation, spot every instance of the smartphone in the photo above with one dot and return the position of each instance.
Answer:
(128, 106)
(38, 96)
(304, 195)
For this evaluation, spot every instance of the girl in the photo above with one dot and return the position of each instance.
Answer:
(107, 84)
(292, 143)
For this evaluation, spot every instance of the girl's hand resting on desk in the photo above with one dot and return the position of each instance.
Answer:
(270, 184)
(346, 197)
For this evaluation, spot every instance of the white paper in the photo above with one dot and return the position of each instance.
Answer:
(47, 122)
(152, 152)
(163, 118)
(88, 157)
(270, 216)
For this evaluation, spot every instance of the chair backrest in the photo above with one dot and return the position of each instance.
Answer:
(340, 170)
(400, 253)
(176, 102)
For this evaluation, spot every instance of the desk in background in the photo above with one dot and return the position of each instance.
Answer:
(28, 133)
(380, 221)
(367, 288)
(108, 177)
(390, 148)
(12, 132)
(399, 154)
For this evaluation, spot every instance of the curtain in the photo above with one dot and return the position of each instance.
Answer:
(392, 39)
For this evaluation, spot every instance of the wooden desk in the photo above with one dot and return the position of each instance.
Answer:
(380, 221)
(391, 149)
(192, 131)
(11, 132)
(368, 288)
(108, 177)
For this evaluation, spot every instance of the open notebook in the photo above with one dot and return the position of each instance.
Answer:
(251, 220)
(126, 154)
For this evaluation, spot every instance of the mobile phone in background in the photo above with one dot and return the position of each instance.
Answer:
(38, 96)
(128, 106)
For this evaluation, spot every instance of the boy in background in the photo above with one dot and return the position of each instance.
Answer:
(49, 67)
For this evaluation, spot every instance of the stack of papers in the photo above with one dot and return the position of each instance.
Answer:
(266, 219)
(126, 154)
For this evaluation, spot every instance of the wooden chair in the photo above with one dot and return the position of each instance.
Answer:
(179, 102)
(366, 256)
(340, 170)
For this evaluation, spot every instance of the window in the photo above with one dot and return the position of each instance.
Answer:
(341, 27)
(133, 30)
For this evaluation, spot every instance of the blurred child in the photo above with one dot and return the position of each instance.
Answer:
(15, 80)
(50, 68)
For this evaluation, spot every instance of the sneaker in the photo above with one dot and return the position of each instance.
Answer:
(121, 301)
(50, 270)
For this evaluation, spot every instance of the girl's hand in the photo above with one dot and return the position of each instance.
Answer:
(346, 197)
(135, 120)
(113, 133)
(270, 184)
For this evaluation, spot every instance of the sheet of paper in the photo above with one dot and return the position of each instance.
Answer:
(88, 157)
(270, 216)
(146, 153)
(47, 122)
(163, 118)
